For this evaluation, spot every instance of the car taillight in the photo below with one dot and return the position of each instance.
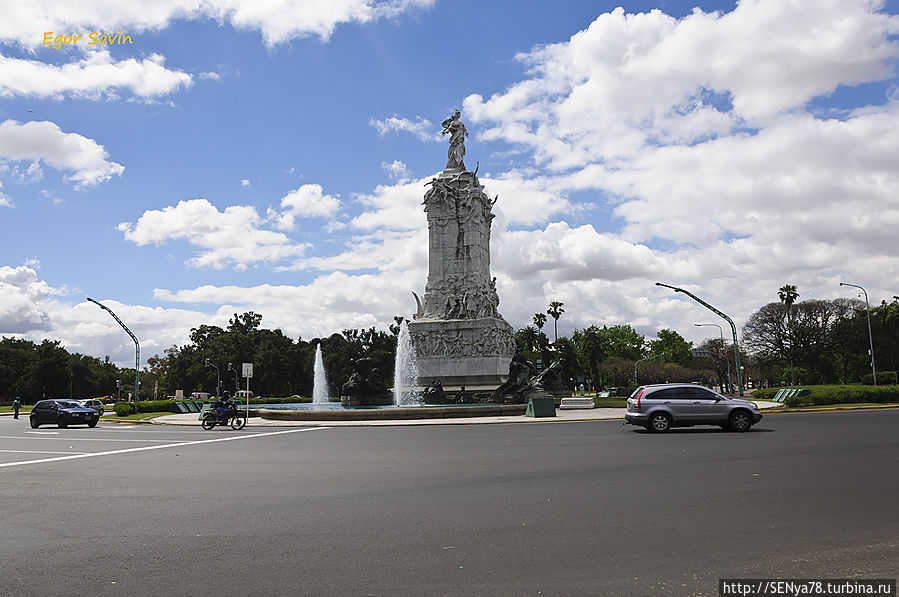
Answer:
(640, 395)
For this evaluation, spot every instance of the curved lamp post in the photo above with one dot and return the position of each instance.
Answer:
(870, 336)
(218, 378)
(136, 347)
(733, 328)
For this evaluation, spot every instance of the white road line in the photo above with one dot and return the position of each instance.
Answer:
(38, 452)
(83, 438)
(145, 448)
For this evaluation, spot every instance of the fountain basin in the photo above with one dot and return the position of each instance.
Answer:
(397, 413)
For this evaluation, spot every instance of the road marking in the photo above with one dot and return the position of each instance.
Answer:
(82, 438)
(38, 452)
(43, 432)
(145, 448)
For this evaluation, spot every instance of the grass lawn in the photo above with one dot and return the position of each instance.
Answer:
(136, 417)
(610, 402)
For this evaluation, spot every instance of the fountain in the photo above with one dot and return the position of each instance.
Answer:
(320, 392)
(405, 372)
(457, 337)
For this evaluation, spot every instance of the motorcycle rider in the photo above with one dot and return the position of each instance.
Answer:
(222, 405)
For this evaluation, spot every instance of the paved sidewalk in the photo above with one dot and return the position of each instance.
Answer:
(562, 416)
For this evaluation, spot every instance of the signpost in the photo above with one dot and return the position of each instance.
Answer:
(248, 373)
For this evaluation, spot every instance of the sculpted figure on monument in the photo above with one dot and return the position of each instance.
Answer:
(434, 393)
(365, 386)
(457, 132)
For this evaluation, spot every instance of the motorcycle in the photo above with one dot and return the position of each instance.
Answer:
(234, 417)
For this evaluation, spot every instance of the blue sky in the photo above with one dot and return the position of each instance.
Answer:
(271, 156)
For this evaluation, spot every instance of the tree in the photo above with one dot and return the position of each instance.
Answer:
(675, 348)
(788, 295)
(810, 339)
(555, 311)
(526, 338)
(540, 320)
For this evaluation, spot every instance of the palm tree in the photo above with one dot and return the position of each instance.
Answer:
(539, 320)
(555, 311)
(788, 295)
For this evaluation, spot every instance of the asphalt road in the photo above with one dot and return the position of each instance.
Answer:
(590, 508)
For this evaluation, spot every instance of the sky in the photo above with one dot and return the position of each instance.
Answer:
(217, 157)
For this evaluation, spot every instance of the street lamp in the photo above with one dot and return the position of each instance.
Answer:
(218, 378)
(870, 336)
(236, 380)
(658, 356)
(733, 328)
(720, 331)
(136, 348)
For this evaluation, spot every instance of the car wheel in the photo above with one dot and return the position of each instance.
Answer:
(659, 422)
(740, 421)
(33, 420)
(61, 422)
(92, 424)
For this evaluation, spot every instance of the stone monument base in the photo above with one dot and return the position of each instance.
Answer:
(474, 353)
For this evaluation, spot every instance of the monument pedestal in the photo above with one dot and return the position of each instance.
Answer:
(474, 353)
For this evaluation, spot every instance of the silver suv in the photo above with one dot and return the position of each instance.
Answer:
(659, 407)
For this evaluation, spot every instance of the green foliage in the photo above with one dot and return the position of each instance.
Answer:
(47, 370)
(675, 348)
(883, 377)
(837, 394)
(123, 409)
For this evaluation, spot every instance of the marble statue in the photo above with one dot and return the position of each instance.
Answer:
(457, 330)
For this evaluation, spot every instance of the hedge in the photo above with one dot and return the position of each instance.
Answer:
(883, 377)
(123, 409)
(823, 395)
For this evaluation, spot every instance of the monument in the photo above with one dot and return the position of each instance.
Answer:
(460, 338)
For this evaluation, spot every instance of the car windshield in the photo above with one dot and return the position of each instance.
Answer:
(68, 404)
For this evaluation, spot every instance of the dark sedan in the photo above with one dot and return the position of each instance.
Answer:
(62, 413)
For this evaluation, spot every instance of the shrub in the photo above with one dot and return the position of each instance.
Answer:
(765, 393)
(883, 377)
(123, 409)
(799, 401)
(824, 395)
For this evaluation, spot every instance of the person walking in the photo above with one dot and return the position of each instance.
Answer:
(15, 407)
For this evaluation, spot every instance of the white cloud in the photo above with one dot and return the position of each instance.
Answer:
(421, 127)
(4, 200)
(94, 76)
(632, 81)
(279, 21)
(308, 201)
(245, 183)
(396, 170)
(327, 305)
(233, 236)
(21, 294)
(85, 158)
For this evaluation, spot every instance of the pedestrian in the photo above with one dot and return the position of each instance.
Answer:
(16, 406)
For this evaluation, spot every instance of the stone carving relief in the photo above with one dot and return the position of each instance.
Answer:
(455, 343)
